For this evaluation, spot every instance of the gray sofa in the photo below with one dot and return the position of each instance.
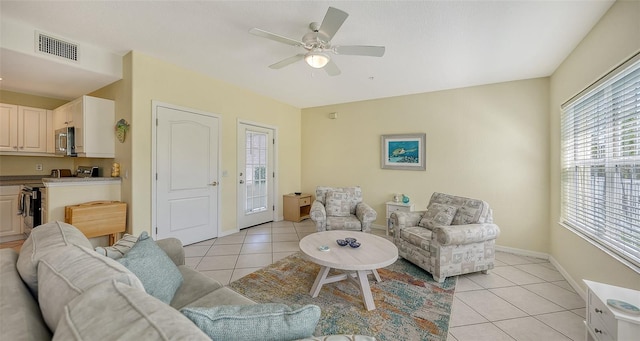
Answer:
(59, 288)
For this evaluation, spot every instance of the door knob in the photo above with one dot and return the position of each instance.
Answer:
(241, 181)
(215, 183)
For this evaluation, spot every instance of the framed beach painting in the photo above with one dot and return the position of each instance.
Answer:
(404, 151)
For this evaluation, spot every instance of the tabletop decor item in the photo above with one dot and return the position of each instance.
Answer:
(354, 244)
(405, 199)
(404, 151)
(624, 306)
(350, 240)
(342, 242)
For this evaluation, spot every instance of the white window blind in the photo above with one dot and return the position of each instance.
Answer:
(600, 131)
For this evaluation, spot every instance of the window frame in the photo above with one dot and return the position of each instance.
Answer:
(594, 157)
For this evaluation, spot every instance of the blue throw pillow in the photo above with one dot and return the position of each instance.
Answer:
(255, 322)
(157, 272)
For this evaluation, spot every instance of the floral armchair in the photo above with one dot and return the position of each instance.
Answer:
(454, 236)
(341, 208)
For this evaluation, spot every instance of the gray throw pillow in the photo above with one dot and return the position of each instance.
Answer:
(255, 322)
(438, 215)
(157, 272)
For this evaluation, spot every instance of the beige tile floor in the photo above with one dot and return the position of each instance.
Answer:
(523, 298)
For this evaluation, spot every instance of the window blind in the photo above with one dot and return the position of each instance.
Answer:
(600, 141)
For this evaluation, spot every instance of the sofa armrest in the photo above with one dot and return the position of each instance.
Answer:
(465, 234)
(173, 248)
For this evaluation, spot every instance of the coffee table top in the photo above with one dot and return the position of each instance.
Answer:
(374, 252)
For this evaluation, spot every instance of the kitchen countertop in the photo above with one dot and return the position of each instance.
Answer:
(12, 180)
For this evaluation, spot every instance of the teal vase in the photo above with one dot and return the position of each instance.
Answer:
(405, 199)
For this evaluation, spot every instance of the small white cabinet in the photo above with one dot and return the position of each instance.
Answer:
(393, 206)
(605, 323)
(24, 129)
(10, 220)
(94, 120)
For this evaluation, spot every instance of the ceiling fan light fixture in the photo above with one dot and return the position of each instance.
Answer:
(316, 60)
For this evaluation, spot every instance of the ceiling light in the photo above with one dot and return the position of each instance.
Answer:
(316, 59)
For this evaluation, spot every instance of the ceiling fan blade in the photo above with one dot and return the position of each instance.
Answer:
(264, 34)
(285, 62)
(332, 22)
(332, 69)
(360, 50)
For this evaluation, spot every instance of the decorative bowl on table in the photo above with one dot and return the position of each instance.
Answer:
(350, 240)
(342, 242)
(354, 244)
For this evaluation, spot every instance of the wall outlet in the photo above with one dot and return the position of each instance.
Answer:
(38, 166)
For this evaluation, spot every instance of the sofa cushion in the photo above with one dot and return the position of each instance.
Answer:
(43, 239)
(157, 272)
(68, 272)
(116, 311)
(256, 322)
(344, 223)
(438, 215)
(337, 204)
(20, 317)
(120, 248)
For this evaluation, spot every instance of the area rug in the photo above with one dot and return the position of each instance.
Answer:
(410, 305)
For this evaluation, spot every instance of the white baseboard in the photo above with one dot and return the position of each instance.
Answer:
(522, 252)
(552, 260)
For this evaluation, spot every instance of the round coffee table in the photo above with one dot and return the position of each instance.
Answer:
(374, 253)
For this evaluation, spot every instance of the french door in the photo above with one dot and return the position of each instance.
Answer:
(256, 175)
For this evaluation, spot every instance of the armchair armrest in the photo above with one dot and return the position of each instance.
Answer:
(365, 213)
(173, 248)
(465, 234)
(318, 212)
(404, 219)
(319, 215)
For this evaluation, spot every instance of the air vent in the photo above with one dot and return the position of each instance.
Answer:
(57, 47)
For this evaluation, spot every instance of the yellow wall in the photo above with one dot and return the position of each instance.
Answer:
(615, 38)
(17, 98)
(488, 142)
(152, 79)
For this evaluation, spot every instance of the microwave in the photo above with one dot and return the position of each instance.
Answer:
(65, 141)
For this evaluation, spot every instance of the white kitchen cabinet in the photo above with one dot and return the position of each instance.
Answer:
(24, 129)
(10, 221)
(94, 120)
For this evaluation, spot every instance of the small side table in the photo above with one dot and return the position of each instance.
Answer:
(297, 207)
(393, 206)
(605, 323)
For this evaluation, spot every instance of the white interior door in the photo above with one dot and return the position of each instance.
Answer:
(186, 174)
(256, 175)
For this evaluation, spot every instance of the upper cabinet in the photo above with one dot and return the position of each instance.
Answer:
(93, 119)
(25, 129)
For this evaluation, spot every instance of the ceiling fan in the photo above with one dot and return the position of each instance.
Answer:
(318, 44)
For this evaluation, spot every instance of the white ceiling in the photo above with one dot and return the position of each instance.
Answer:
(430, 45)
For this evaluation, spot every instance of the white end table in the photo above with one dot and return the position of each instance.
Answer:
(374, 253)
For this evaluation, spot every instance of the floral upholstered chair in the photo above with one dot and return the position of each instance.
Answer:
(454, 236)
(341, 208)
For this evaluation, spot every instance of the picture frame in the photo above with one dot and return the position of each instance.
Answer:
(404, 151)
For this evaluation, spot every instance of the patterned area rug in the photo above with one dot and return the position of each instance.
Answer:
(410, 305)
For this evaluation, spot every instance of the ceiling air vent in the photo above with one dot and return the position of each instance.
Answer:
(57, 47)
